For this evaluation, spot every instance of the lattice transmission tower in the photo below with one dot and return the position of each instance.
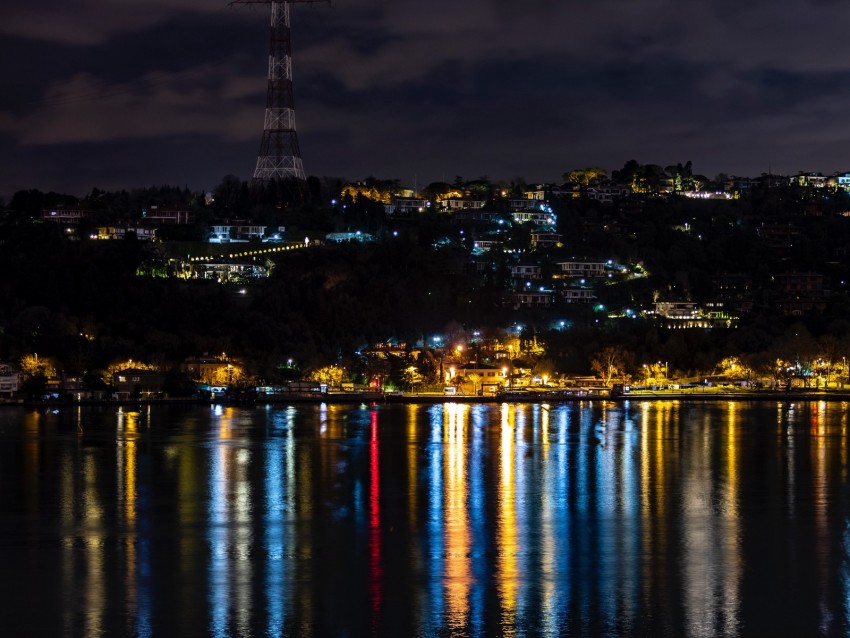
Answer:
(280, 155)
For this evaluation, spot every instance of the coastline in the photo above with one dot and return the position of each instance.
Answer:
(434, 398)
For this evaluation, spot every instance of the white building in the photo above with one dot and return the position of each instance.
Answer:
(843, 181)
(230, 233)
(539, 217)
(407, 206)
(455, 203)
(578, 295)
(677, 310)
(582, 268)
(545, 240)
(522, 271)
(10, 380)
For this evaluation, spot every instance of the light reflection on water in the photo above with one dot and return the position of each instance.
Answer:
(715, 519)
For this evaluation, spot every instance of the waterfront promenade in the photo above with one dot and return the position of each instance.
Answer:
(527, 396)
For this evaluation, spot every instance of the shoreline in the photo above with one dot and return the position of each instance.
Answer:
(433, 398)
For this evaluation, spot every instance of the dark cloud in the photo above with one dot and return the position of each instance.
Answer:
(101, 88)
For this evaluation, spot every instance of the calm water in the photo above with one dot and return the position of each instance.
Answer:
(644, 519)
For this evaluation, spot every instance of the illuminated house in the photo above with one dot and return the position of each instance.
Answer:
(229, 272)
(71, 216)
(142, 233)
(816, 180)
(455, 203)
(479, 380)
(340, 238)
(582, 268)
(526, 271)
(678, 310)
(483, 245)
(687, 314)
(578, 295)
(842, 180)
(545, 240)
(407, 206)
(236, 232)
(539, 217)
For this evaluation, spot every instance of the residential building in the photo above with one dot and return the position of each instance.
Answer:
(545, 240)
(816, 180)
(132, 383)
(486, 380)
(687, 314)
(70, 216)
(778, 236)
(842, 180)
(607, 194)
(10, 380)
(483, 245)
(167, 216)
(578, 295)
(733, 291)
(526, 271)
(799, 293)
(677, 310)
(537, 195)
(340, 238)
(142, 233)
(582, 268)
(455, 204)
(229, 271)
(407, 206)
(538, 217)
(532, 298)
(224, 233)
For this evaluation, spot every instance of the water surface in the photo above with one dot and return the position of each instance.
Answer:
(586, 519)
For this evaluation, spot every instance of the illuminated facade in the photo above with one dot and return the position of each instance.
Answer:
(9, 380)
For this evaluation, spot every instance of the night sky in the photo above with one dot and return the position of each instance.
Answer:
(123, 93)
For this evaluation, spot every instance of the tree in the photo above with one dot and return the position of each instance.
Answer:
(586, 176)
(331, 375)
(544, 368)
(609, 363)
